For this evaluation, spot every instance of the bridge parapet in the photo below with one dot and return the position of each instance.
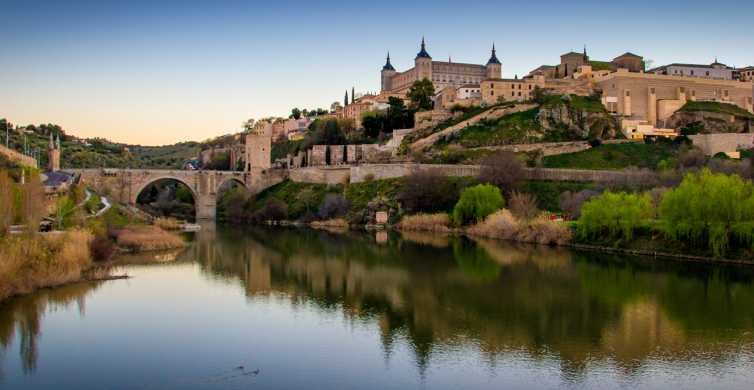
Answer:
(125, 185)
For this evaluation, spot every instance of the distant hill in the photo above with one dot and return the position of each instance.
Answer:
(99, 152)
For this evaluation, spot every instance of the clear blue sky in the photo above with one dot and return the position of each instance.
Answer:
(155, 72)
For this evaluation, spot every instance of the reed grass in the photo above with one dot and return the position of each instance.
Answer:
(540, 230)
(32, 261)
(439, 223)
(138, 238)
(167, 223)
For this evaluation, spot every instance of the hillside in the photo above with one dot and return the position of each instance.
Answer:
(98, 152)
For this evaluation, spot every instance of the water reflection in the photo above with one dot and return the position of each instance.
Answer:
(23, 317)
(443, 292)
(443, 297)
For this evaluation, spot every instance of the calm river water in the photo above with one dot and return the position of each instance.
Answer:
(287, 309)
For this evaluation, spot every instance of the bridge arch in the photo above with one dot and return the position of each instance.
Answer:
(145, 184)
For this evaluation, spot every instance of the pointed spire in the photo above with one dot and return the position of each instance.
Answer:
(388, 65)
(493, 58)
(423, 52)
(345, 101)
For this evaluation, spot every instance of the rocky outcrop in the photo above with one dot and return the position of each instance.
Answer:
(491, 114)
(707, 122)
(578, 123)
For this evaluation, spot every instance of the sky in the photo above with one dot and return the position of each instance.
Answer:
(159, 72)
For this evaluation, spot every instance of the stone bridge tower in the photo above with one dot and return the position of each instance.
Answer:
(258, 153)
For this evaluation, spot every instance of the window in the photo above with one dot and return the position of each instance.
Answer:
(628, 93)
(519, 94)
(513, 94)
(652, 91)
(707, 73)
(492, 86)
(692, 72)
(693, 93)
(529, 86)
(513, 86)
(726, 93)
(492, 93)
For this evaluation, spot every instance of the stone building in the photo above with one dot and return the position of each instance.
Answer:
(501, 90)
(441, 73)
(571, 62)
(654, 97)
(744, 74)
(715, 70)
(258, 149)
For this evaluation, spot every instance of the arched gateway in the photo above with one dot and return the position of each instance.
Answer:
(124, 185)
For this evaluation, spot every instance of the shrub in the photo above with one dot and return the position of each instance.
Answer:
(333, 206)
(476, 203)
(425, 222)
(715, 208)
(614, 215)
(523, 205)
(502, 169)
(501, 224)
(544, 231)
(273, 210)
(102, 248)
(571, 202)
(691, 157)
(427, 191)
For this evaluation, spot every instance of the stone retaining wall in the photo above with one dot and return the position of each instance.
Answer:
(17, 157)
(712, 144)
(366, 172)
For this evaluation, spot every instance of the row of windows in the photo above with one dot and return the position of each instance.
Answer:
(513, 93)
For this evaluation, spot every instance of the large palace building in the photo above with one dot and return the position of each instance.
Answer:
(441, 73)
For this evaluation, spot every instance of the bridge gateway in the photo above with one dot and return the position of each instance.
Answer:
(125, 185)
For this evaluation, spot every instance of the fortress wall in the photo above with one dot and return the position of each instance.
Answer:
(712, 144)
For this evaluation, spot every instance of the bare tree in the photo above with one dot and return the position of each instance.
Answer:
(502, 169)
(523, 205)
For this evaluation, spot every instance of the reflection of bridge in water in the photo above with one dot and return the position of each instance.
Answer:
(125, 185)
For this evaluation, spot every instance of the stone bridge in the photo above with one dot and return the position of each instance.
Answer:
(125, 185)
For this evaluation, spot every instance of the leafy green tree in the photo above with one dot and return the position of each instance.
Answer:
(398, 116)
(476, 203)
(295, 113)
(420, 94)
(373, 123)
(614, 215)
(715, 209)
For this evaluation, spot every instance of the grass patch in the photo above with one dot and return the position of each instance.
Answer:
(438, 223)
(722, 108)
(139, 238)
(614, 157)
(359, 194)
(510, 129)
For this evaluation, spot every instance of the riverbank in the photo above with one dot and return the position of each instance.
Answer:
(31, 262)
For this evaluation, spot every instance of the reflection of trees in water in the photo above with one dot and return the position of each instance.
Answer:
(503, 297)
(24, 314)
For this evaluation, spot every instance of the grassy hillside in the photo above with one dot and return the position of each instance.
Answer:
(614, 156)
(723, 108)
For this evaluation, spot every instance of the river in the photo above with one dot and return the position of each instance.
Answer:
(299, 308)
